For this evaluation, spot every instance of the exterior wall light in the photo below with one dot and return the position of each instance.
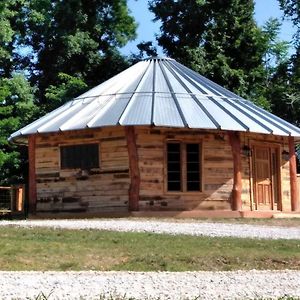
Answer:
(246, 150)
(285, 155)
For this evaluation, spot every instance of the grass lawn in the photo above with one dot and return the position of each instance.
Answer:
(49, 249)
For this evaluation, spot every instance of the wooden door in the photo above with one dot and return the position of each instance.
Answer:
(263, 177)
(266, 177)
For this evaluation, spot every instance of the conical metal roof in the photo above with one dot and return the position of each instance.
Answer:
(160, 92)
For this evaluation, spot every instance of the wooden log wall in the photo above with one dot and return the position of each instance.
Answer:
(216, 172)
(103, 189)
(106, 189)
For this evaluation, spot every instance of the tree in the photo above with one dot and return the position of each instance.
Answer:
(16, 110)
(291, 9)
(16, 95)
(285, 95)
(6, 37)
(79, 38)
(217, 38)
(69, 87)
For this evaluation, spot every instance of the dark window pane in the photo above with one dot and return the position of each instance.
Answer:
(193, 167)
(174, 176)
(192, 156)
(173, 147)
(193, 186)
(174, 167)
(174, 186)
(192, 148)
(80, 156)
(173, 156)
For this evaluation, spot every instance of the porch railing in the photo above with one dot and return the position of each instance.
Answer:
(298, 185)
(12, 199)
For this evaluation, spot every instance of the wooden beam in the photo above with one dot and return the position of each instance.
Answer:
(134, 189)
(32, 175)
(235, 143)
(293, 175)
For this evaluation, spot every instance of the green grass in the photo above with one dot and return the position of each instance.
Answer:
(49, 249)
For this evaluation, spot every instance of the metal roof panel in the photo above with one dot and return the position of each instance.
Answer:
(165, 112)
(138, 111)
(226, 121)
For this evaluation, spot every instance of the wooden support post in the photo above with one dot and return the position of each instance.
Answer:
(134, 190)
(235, 143)
(32, 175)
(293, 175)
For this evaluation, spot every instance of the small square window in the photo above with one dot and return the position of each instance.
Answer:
(85, 156)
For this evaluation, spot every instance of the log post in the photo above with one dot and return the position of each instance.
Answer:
(293, 175)
(134, 189)
(235, 143)
(32, 175)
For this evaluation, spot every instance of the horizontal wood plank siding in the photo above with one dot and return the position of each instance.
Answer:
(71, 190)
(105, 189)
(216, 171)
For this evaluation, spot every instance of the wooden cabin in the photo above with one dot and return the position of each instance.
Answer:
(159, 137)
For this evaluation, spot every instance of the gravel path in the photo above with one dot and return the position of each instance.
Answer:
(156, 226)
(150, 285)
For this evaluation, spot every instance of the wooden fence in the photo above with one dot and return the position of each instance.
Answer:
(12, 199)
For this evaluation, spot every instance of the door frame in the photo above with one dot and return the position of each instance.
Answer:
(275, 182)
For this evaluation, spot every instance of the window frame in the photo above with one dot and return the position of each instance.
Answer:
(183, 166)
(79, 144)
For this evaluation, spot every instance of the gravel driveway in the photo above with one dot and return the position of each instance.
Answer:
(156, 226)
(156, 285)
(150, 285)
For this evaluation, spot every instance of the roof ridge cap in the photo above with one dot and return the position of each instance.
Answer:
(160, 58)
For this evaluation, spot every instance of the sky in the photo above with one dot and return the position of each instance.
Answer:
(264, 9)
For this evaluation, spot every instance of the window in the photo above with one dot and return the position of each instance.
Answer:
(192, 167)
(174, 167)
(183, 167)
(79, 156)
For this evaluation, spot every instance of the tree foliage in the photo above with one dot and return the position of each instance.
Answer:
(79, 38)
(16, 95)
(285, 85)
(291, 9)
(69, 87)
(17, 109)
(217, 38)
(221, 40)
(6, 36)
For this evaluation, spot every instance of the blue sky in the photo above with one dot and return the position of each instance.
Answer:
(264, 9)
